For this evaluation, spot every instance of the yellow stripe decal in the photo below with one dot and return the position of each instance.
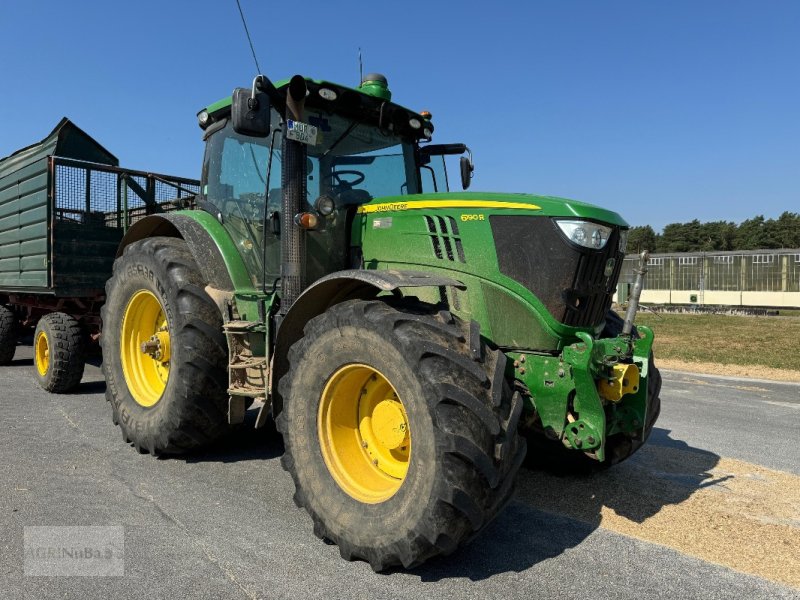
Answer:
(420, 204)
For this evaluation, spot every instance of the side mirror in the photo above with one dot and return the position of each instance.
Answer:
(466, 171)
(250, 112)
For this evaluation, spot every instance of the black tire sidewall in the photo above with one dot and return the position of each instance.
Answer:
(67, 355)
(190, 412)
(139, 271)
(361, 523)
(9, 335)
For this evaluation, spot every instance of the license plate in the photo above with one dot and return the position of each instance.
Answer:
(301, 132)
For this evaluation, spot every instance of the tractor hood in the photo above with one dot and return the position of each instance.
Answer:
(548, 206)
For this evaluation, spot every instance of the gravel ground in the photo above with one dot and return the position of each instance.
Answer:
(221, 524)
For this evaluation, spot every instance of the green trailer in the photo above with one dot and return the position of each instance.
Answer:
(65, 205)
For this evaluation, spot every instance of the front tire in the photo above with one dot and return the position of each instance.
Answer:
(400, 431)
(9, 332)
(164, 353)
(58, 352)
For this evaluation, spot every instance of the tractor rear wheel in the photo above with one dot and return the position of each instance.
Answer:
(400, 431)
(58, 352)
(164, 354)
(9, 332)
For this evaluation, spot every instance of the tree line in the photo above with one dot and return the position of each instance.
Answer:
(753, 234)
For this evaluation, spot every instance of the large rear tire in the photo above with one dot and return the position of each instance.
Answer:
(400, 431)
(171, 396)
(9, 332)
(59, 352)
(551, 454)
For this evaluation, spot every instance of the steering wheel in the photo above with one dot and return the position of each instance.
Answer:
(336, 176)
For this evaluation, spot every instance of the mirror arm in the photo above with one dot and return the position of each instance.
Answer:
(263, 83)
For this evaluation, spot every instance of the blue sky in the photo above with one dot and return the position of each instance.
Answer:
(663, 111)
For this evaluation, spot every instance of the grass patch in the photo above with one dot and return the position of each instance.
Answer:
(727, 340)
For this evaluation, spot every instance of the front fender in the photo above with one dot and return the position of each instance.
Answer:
(332, 289)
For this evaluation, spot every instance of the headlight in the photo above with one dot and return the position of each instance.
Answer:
(325, 205)
(585, 233)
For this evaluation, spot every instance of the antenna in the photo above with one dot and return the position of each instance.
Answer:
(247, 32)
(360, 66)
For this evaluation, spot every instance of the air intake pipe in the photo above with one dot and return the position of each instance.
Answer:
(633, 301)
(293, 183)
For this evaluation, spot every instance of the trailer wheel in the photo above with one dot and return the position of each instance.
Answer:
(164, 354)
(400, 431)
(58, 352)
(553, 456)
(9, 333)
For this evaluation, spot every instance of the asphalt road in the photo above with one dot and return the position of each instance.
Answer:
(708, 509)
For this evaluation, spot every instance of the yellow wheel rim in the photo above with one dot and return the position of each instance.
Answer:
(364, 434)
(145, 348)
(42, 353)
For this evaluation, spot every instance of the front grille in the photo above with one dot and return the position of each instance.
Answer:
(568, 279)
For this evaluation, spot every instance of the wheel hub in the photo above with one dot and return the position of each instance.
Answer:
(389, 424)
(145, 348)
(364, 433)
(42, 354)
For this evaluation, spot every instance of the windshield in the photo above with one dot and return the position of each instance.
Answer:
(352, 162)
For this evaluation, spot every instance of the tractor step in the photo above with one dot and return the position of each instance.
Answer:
(250, 392)
(250, 363)
(243, 326)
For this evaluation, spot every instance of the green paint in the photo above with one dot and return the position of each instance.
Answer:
(240, 276)
(561, 374)
(552, 379)
(407, 245)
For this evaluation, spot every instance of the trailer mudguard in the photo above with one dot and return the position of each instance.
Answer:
(209, 243)
(335, 288)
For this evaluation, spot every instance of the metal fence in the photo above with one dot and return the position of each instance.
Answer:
(103, 195)
(744, 271)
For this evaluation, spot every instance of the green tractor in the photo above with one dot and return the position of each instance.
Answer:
(409, 342)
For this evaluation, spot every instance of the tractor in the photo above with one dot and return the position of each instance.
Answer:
(411, 343)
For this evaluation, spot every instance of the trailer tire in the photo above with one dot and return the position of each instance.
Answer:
(553, 456)
(9, 334)
(171, 399)
(59, 350)
(376, 498)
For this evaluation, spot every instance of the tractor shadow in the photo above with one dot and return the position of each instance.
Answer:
(243, 443)
(551, 514)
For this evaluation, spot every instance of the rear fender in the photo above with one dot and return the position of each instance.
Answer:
(210, 245)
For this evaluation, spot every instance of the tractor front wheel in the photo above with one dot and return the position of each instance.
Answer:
(164, 353)
(400, 431)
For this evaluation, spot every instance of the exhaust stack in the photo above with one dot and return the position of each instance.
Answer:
(293, 184)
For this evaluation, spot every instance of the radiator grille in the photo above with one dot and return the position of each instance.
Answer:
(575, 284)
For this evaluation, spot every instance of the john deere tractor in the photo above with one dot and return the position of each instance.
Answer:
(409, 342)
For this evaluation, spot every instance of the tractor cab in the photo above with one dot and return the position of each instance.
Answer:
(359, 146)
